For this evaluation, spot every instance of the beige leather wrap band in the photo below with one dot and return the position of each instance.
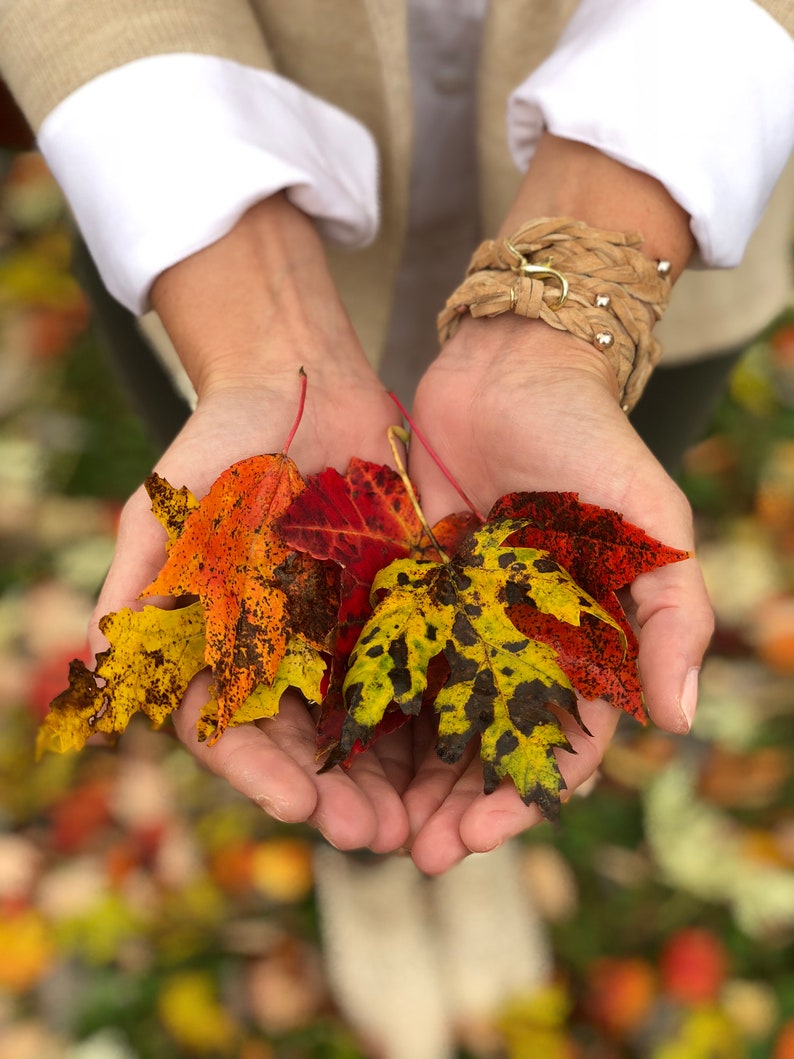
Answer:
(595, 284)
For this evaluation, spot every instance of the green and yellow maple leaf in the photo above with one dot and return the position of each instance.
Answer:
(501, 684)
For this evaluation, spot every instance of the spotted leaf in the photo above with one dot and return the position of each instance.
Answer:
(225, 551)
(301, 668)
(153, 655)
(501, 684)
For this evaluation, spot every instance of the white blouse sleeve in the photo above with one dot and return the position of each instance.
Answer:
(697, 93)
(161, 157)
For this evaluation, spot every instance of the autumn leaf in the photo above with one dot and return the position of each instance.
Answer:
(193, 1016)
(312, 593)
(361, 521)
(603, 553)
(153, 655)
(600, 663)
(262, 614)
(302, 668)
(225, 551)
(599, 548)
(260, 620)
(500, 684)
(170, 506)
(28, 947)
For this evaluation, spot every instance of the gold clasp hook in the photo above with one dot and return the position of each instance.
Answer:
(527, 269)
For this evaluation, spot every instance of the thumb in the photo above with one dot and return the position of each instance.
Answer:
(676, 624)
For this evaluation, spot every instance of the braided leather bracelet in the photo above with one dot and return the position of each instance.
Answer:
(595, 284)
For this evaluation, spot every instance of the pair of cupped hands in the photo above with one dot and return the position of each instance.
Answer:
(508, 405)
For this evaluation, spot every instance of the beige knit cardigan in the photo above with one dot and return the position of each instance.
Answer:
(350, 52)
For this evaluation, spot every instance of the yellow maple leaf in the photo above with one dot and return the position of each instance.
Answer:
(153, 655)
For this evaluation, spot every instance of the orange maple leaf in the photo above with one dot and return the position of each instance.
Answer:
(226, 553)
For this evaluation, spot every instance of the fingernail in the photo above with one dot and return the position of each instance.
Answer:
(489, 846)
(689, 696)
(275, 807)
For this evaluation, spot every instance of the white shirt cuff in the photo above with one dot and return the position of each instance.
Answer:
(697, 93)
(161, 157)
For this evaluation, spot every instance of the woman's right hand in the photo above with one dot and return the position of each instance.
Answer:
(245, 315)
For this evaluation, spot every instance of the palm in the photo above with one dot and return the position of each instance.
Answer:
(540, 413)
(272, 762)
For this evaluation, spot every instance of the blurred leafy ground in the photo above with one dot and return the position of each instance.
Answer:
(150, 913)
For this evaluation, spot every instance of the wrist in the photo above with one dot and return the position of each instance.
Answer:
(526, 352)
(567, 178)
(597, 285)
(258, 304)
(590, 247)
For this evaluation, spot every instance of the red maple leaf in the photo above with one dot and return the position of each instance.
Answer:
(362, 521)
(597, 546)
(603, 553)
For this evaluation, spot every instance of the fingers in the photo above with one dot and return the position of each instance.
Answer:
(491, 819)
(439, 845)
(390, 817)
(274, 764)
(676, 624)
(250, 760)
(468, 821)
(395, 755)
(434, 783)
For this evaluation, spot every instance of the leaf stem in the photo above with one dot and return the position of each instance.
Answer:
(395, 434)
(435, 457)
(299, 416)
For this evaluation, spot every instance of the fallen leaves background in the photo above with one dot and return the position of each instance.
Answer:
(148, 912)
